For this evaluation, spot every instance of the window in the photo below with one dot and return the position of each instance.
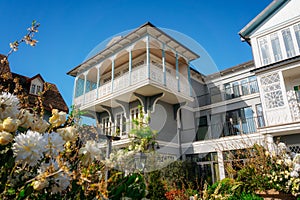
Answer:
(276, 46)
(288, 42)
(297, 33)
(260, 115)
(134, 114)
(106, 125)
(38, 89)
(297, 92)
(253, 84)
(32, 89)
(236, 89)
(215, 94)
(202, 129)
(228, 93)
(120, 124)
(245, 87)
(265, 52)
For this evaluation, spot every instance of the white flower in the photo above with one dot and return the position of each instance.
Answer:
(294, 174)
(297, 167)
(54, 143)
(68, 134)
(5, 138)
(297, 158)
(8, 105)
(29, 147)
(91, 150)
(55, 173)
(26, 119)
(282, 148)
(58, 118)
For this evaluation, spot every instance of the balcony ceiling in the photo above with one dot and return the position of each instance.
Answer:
(132, 38)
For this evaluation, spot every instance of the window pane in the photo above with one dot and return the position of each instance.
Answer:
(297, 33)
(236, 89)
(228, 92)
(260, 116)
(288, 42)
(32, 89)
(265, 52)
(245, 87)
(276, 46)
(253, 84)
(79, 87)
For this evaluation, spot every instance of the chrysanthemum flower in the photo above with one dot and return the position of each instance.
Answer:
(8, 105)
(54, 143)
(68, 134)
(91, 150)
(29, 147)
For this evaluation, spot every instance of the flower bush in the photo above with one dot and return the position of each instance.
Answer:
(41, 160)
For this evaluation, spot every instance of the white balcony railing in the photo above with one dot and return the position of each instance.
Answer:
(138, 74)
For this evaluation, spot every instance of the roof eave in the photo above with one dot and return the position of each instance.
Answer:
(260, 18)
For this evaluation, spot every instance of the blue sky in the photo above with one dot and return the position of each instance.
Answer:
(70, 29)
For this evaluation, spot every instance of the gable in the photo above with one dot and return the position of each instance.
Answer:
(37, 81)
(286, 15)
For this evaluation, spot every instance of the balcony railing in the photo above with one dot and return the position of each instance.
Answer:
(138, 75)
(228, 93)
(230, 128)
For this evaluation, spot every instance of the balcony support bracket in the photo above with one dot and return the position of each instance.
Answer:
(149, 101)
(125, 107)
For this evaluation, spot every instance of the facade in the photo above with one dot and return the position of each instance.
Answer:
(201, 118)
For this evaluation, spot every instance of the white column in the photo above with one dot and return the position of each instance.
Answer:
(177, 73)
(84, 86)
(164, 64)
(112, 73)
(98, 81)
(74, 90)
(130, 63)
(189, 79)
(148, 56)
(221, 165)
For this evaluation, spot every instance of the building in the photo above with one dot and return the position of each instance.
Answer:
(199, 117)
(31, 87)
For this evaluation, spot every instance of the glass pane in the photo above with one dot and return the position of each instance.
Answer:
(228, 92)
(265, 52)
(236, 89)
(253, 84)
(245, 87)
(288, 42)
(297, 33)
(79, 87)
(276, 46)
(260, 116)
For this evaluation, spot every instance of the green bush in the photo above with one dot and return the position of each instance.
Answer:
(245, 196)
(155, 187)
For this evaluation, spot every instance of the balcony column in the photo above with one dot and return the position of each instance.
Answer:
(164, 64)
(112, 73)
(98, 81)
(221, 165)
(177, 73)
(130, 63)
(148, 55)
(75, 88)
(189, 79)
(84, 86)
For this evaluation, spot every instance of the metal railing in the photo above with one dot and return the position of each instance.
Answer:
(228, 93)
(230, 128)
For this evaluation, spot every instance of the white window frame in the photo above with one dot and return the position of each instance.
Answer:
(106, 125)
(121, 125)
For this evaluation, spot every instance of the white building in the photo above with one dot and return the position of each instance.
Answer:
(198, 117)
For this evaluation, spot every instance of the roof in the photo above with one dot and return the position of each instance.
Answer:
(260, 18)
(128, 39)
(51, 98)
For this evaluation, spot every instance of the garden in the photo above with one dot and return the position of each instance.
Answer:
(63, 159)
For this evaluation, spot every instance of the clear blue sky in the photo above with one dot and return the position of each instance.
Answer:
(70, 29)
